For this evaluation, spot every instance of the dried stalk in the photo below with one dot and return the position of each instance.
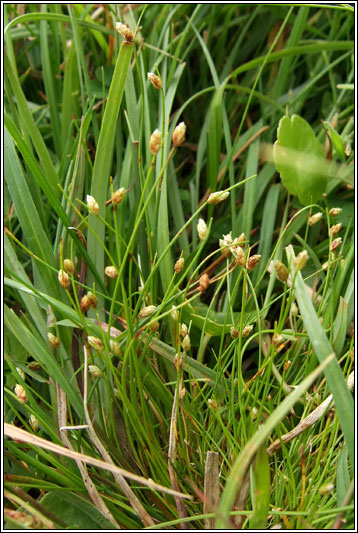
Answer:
(308, 421)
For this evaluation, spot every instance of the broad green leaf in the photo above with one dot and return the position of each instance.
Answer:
(343, 479)
(78, 512)
(212, 321)
(337, 141)
(298, 157)
(261, 503)
(322, 348)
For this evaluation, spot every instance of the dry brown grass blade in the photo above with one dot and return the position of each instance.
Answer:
(90, 486)
(211, 488)
(308, 421)
(171, 459)
(24, 436)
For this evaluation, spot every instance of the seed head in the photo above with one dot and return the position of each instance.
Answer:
(278, 340)
(155, 142)
(247, 330)
(178, 136)
(63, 279)
(294, 309)
(217, 197)
(287, 365)
(111, 271)
(202, 229)
(281, 271)
(234, 332)
(337, 242)
(155, 80)
(155, 326)
(314, 219)
(252, 261)
(147, 311)
(92, 299)
(53, 340)
(239, 241)
(186, 343)
(212, 404)
(92, 205)
(95, 343)
(20, 393)
(335, 229)
(95, 371)
(34, 423)
(204, 282)
(115, 347)
(225, 244)
(174, 313)
(301, 260)
(125, 31)
(335, 211)
(183, 329)
(178, 362)
(179, 265)
(118, 196)
(68, 266)
(21, 373)
(85, 303)
(240, 255)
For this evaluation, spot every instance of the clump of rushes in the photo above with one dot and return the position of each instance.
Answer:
(179, 265)
(186, 343)
(63, 279)
(281, 271)
(118, 196)
(204, 282)
(53, 340)
(155, 142)
(34, 423)
(68, 266)
(147, 311)
(217, 197)
(252, 261)
(225, 244)
(202, 229)
(336, 243)
(301, 260)
(115, 347)
(125, 31)
(95, 371)
(111, 271)
(178, 136)
(92, 205)
(335, 229)
(20, 393)
(314, 219)
(95, 343)
(247, 330)
(155, 80)
(335, 211)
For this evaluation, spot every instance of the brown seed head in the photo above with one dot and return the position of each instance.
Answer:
(178, 136)
(155, 80)
(111, 271)
(301, 260)
(118, 196)
(155, 142)
(336, 243)
(68, 266)
(125, 31)
(281, 271)
(204, 282)
(252, 261)
(63, 279)
(179, 265)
